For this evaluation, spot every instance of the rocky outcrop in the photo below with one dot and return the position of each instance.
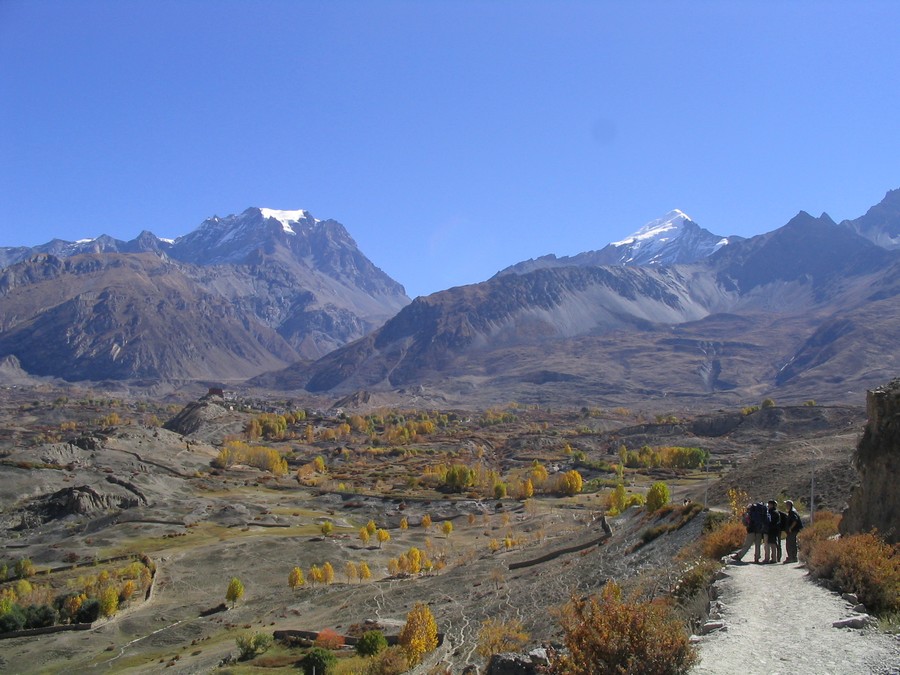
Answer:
(875, 502)
(84, 499)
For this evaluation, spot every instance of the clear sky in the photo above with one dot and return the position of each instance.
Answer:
(450, 138)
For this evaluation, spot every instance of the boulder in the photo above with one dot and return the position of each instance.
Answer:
(511, 664)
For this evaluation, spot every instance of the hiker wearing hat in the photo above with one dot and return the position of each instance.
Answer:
(792, 529)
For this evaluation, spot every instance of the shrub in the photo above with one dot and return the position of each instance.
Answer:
(89, 611)
(391, 661)
(371, 643)
(12, 619)
(328, 638)
(863, 564)
(24, 568)
(824, 525)
(498, 636)
(722, 540)
(870, 567)
(318, 661)
(40, 616)
(606, 635)
(250, 646)
(696, 577)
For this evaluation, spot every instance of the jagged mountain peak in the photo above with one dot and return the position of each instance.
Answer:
(881, 223)
(241, 238)
(673, 239)
(666, 227)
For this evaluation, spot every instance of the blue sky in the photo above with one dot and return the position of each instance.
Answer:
(451, 138)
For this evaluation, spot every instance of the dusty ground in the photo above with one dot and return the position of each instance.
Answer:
(780, 621)
(203, 527)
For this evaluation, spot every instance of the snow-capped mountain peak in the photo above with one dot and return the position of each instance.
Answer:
(287, 218)
(664, 229)
(669, 240)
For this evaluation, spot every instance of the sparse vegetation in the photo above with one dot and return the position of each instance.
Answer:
(251, 646)
(605, 634)
(369, 495)
(861, 563)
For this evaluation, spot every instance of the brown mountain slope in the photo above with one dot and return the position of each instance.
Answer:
(127, 316)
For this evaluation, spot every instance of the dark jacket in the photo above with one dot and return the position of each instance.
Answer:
(794, 523)
(773, 522)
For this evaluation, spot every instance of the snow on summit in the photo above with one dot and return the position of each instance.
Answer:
(286, 218)
(661, 229)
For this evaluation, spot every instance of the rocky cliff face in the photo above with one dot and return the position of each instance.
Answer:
(876, 501)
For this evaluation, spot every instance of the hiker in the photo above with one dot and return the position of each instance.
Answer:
(792, 528)
(773, 532)
(754, 519)
(782, 519)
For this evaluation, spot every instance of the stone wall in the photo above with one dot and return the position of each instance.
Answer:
(875, 502)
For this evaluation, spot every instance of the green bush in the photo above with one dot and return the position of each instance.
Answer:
(251, 646)
(370, 643)
(318, 661)
(12, 619)
(40, 616)
(89, 611)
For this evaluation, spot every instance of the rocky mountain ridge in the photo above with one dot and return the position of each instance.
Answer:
(673, 239)
(241, 295)
(810, 309)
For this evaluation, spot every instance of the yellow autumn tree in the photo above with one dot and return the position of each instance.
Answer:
(419, 634)
(295, 578)
(570, 483)
(527, 491)
(235, 591)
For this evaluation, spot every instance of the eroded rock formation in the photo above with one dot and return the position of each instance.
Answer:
(875, 502)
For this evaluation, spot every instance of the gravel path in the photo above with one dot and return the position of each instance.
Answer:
(777, 620)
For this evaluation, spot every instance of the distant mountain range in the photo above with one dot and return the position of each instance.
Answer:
(811, 309)
(673, 312)
(235, 297)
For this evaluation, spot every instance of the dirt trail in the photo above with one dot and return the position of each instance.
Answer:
(780, 621)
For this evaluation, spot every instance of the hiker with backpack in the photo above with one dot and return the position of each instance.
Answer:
(773, 532)
(754, 519)
(792, 528)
